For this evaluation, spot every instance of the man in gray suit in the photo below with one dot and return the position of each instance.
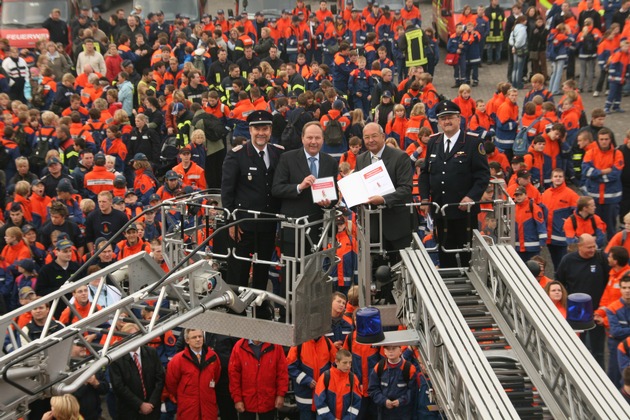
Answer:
(397, 219)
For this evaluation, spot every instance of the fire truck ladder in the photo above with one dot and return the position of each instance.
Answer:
(193, 294)
(541, 365)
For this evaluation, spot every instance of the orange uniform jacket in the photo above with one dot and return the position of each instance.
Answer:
(194, 176)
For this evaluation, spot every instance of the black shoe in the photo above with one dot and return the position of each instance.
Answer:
(455, 86)
(475, 83)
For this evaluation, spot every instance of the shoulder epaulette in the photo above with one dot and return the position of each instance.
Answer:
(470, 133)
(434, 135)
(237, 148)
(279, 146)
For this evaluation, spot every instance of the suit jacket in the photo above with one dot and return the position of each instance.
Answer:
(127, 386)
(292, 169)
(396, 218)
(463, 172)
(246, 183)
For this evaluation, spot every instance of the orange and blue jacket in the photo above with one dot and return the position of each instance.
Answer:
(575, 225)
(413, 128)
(538, 164)
(307, 362)
(561, 202)
(611, 293)
(468, 107)
(617, 240)
(618, 314)
(341, 399)
(364, 359)
(604, 188)
(482, 124)
(397, 128)
(347, 271)
(531, 230)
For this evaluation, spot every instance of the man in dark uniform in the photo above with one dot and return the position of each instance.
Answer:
(455, 171)
(248, 172)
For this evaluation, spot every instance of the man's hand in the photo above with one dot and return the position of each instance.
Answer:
(235, 233)
(606, 171)
(279, 402)
(48, 416)
(389, 404)
(598, 319)
(465, 200)
(93, 381)
(396, 403)
(359, 94)
(376, 200)
(338, 344)
(146, 408)
(313, 384)
(170, 131)
(324, 203)
(307, 182)
(240, 407)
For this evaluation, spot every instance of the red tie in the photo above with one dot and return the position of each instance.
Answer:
(139, 366)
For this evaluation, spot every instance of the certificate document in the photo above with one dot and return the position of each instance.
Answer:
(372, 180)
(324, 189)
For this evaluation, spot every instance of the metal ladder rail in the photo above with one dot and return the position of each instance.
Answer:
(570, 381)
(470, 374)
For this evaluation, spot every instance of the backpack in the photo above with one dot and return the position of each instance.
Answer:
(333, 135)
(38, 157)
(574, 223)
(521, 144)
(97, 134)
(168, 155)
(327, 379)
(4, 157)
(290, 137)
(406, 368)
(21, 139)
(439, 95)
(589, 44)
(212, 127)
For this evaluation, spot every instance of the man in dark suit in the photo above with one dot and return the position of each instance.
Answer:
(248, 172)
(137, 398)
(397, 220)
(455, 171)
(297, 171)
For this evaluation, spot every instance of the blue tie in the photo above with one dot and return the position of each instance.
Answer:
(313, 166)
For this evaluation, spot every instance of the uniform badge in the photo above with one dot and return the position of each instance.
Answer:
(249, 176)
(481, 149)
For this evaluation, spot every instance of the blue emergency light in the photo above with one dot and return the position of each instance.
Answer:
(369, 326)
(580, 311)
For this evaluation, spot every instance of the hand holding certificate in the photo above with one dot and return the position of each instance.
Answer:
(371, 182)
(324, 189)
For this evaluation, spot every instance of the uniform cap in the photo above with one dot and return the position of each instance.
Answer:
(131, 227)
(184, 17)
(65, 185)
(520, 190)
(523, 173)
(26, 291)
(286, 12)
(118, 200)
(139, 156)
(356, 10)
(293, 95)
(96, 9)
(260, 118)
(349, 2)
(52, 160)
(120, 181)
(64, 244)
(36, 181)
(385, 8)
(185, 149)
(259, 14)
(28, 264)
(127, 63)
(518, 159)
(130, 192)
(27, 228)
(177, 108)
(327, 19)
(295, 19)
(99, 159)
(447, 108)
(170, 175)
(387, 94)
(220, 12)
(154, 197)
(159, 13)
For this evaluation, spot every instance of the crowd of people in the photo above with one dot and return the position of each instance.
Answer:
(135, 111)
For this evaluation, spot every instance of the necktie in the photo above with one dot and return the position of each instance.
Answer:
(137, 361)
(313, 166)
(448, 146)
(375, 158)
(262, 156)
(199, 357)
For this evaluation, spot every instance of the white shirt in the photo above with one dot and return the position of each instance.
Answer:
(448, 147)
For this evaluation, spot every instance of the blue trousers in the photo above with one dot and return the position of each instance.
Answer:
(609, 214)
(460, 71)
(613, 363)
(556, 76)
(494, 51)
(613, 100)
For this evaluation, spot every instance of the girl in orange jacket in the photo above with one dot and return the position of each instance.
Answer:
(397, 126)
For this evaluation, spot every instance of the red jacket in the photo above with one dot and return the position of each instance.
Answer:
(192, 384)
(257, 382)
